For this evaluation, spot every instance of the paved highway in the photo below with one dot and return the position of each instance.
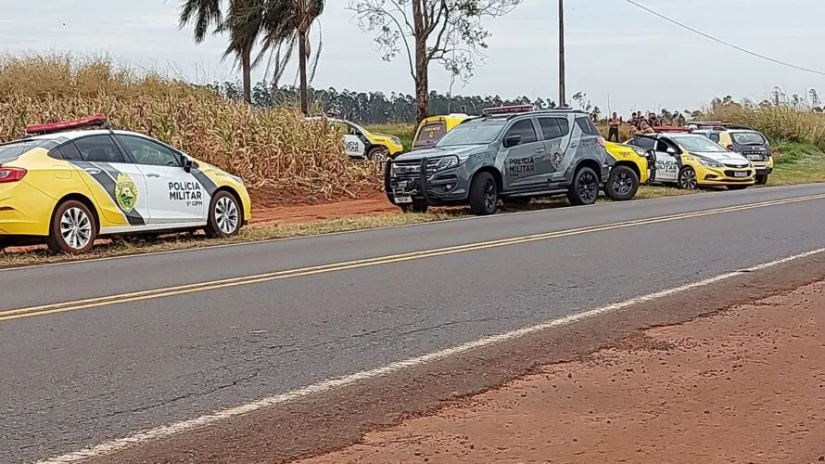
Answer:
(96, 350)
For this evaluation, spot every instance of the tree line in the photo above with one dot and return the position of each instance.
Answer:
(371, 107)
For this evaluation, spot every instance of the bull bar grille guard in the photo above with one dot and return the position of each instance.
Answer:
(422, 178)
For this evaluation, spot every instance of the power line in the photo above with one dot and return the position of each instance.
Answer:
(727, 44)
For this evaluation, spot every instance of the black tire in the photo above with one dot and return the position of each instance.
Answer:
(761, 179)
(225, 216)
(483, 194)
(73, 229)
(585, 187)
(622, 184)
(687, 179)
(415, 207)
(738, 187)
(378, 154)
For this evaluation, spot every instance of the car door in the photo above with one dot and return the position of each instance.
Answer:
(556, 132)
(121, 183)
(354, 145)
(667, 162)
(523, 161)
(175, 197)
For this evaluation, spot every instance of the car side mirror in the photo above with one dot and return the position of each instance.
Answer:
(512, 141)
(187, 164)
(670, 151)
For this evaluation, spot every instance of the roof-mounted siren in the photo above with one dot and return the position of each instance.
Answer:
(507, 109)
(98, 121)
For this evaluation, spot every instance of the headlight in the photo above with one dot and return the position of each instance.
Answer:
(710, 163)
(396, 140)
(446, 163)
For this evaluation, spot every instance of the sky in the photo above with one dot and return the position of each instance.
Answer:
(622, 57)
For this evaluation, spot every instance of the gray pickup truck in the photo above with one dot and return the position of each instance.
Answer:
(509, 153)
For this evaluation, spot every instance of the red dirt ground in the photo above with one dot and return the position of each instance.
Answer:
(267, 212)
(746, 386)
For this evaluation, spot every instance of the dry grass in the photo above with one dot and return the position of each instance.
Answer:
(107, 248)
(271, 149)
(778, 122)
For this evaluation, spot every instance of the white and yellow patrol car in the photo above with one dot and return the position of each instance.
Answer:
(363, 144)
(68, 183)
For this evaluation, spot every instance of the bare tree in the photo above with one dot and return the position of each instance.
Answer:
(446, 31)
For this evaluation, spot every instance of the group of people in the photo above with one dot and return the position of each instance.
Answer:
(639, 124)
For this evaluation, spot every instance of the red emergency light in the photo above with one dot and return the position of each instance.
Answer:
(507, 109)
(50, 128)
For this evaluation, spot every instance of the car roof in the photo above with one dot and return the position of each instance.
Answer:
(75, 134)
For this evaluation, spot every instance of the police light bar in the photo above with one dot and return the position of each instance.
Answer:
(507, 109)
(50, 128)
(671, 129)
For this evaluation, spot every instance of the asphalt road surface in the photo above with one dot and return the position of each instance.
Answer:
(96, 350)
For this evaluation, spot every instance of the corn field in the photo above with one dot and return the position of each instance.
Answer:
(273, 149)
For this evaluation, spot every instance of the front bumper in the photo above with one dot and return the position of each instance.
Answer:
(407, 182)
(726, 176)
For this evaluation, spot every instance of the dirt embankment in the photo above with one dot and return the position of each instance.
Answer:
(268, 209)
(746, 386)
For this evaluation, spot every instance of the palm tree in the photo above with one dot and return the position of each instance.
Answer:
(241, 23)
(285, 24)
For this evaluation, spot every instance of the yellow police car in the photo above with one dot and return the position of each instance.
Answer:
(690, 161)
(68, 183)
(361, 143)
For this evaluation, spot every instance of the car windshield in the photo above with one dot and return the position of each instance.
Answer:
(11, 151)
(472, 134)
(698, 143)
(748, 138)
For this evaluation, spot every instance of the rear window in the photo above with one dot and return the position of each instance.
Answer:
(11, 151)
(430, 133)
(748, 138)
(587, 126)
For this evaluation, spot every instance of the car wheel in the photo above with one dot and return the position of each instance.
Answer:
(224, 216)
(483, 194)
(622, 183)
(415, 207)
(379, 154)
(762, 179)
(738, 187)
(73, 229)
(687, 179)
(585, 188)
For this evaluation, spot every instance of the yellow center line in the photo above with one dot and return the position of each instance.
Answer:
(326, 268)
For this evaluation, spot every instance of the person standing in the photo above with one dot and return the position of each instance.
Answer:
(613, 132)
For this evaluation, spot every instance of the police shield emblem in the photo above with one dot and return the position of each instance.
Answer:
(126, 192)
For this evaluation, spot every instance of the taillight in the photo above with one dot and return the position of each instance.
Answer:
(729, 147)
(11, 174)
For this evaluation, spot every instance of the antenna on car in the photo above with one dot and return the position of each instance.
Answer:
(96, 121)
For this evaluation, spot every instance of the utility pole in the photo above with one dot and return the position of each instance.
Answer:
(562, 97)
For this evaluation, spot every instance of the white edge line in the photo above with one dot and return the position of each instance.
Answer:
(374, 229)
(168, 430)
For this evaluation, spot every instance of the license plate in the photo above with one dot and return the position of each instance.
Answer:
(740, 174)
(403, 199)
(754, 157)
